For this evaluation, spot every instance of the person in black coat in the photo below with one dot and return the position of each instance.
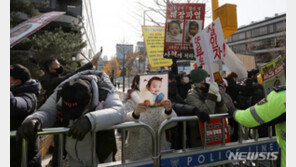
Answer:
(183, 84)
(23, 102)
(174, 135)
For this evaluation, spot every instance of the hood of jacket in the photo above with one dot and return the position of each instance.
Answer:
(97, 79)
(30, 86)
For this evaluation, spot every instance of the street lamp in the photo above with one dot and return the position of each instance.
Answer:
(144, 14)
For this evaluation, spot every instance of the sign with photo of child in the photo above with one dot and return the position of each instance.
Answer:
(153, 89)
(183, 22)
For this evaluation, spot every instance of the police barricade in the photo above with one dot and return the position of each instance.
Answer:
(205, 156)
(218, 154)
(126, 125)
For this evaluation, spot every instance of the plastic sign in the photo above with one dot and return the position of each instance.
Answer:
(32, 25)
(153, 37)
(183, 21)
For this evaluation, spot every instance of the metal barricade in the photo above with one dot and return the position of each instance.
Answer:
(195, 118)
(61, 130)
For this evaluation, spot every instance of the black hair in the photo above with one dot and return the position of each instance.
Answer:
(48, 62)
(135, 82)
(193, 23)
(18, 71)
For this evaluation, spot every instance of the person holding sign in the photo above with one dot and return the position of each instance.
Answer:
(139, 143)
(205, 97)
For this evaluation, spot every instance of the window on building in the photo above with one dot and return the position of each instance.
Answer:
(259, 31)
(239, 48)
(237, 37)
(271, 28)
(248, 34)
(281, 26)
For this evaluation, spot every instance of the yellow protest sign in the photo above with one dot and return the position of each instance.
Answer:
(154, 42)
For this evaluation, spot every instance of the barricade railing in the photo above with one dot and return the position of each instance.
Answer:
(61, 131)
(185, 119)
(155, 137)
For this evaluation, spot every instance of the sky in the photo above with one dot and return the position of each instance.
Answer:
(120, 21)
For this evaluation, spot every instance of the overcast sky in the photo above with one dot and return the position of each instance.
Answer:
(119, 21)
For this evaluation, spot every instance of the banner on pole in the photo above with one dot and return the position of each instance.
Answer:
(273, 74)
(209, 45)
(183, 21)
(153, 37)
(30, 26)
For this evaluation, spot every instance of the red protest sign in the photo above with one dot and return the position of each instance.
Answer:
(183, 22)
(214, 131)
(30, 26)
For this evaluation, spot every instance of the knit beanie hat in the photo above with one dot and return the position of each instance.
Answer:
(18, 71)
(76, 95)
(197, 75)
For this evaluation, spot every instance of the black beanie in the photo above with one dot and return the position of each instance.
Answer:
(18, 71)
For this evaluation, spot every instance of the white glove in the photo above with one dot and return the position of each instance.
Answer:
(214, 89)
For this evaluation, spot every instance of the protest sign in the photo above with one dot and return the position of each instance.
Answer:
(214, 131)
(153, 89)
(273, 74)
(30, 26)
(209, 45)
(183, 21)
(153, 36)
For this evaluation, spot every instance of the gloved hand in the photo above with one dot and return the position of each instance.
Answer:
(80, 128)
(141, 107)
(28, 130)
(203, 116)
(214, 89)
(231, 111)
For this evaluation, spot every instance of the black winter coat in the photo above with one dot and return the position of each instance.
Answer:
(50, 81)
(23, 102)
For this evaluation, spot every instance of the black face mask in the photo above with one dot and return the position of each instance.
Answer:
(60, 70)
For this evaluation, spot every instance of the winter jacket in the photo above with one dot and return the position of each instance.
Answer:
(233, 89)
(111, 113)
(139, 144)
(23, 102)
(50, 81)
(204, 102)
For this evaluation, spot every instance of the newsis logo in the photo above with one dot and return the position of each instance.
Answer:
(253, 156)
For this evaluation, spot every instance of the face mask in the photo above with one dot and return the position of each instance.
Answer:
(186, 80)
(60, 70)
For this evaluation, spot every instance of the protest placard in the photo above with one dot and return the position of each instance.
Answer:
(30, 26)
(153, 37)
(209, 45)
(153, 89)
(273, 74)
(183, 21)
(214, 131)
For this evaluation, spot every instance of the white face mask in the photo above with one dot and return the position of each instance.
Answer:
(186, 80)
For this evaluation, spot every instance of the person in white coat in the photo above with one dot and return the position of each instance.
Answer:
(139, 144)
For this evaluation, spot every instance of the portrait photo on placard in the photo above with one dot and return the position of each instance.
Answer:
(153, 89)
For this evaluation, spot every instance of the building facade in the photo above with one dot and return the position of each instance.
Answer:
(265, 40)
(122, 50)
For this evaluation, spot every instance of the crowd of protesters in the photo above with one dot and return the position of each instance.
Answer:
(85, 101)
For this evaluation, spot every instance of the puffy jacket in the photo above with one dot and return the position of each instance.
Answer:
(203, 102)
(112, 113)
(139, 141)
(23, 102)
